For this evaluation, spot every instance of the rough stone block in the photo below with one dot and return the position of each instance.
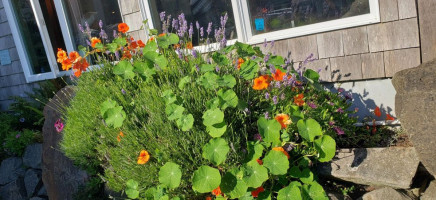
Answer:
(10, 170)
(385, 194)
(355, 40)
(388, 10)
(346, 68)
(393, 167)
(406, 9)
(13, 191)
(427, 26)
(398, 60)
(300, 48)
(32, 179)
(373, 65)
(134, 20)
(33, 156)
(330, 44)
(414, 105)
(430, 192)
(129, 6)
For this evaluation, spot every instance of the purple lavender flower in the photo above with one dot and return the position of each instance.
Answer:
(338, 130)
(265, 43)
(88, 42)
(266, 58)
(103, 34)
(266, 115)
(339, 110)
(175, 24)
(115, 34)
(22, 120)
(308, 59)
(194, 53)
(17, 135)
(162, 16)
(257, 137)
(217, 69)
(253, 57)
(81, 28)
(266, 95)
(331, 103)
(275, 100)
(312, 105)
(201, 32)
(319, 70)
(287, 62)
(123, 91)
(179, 53)
(100, 24)
(197, 68)
(272, 43)
(223, 20)
(272, 69)
(191, 30)
(88, 30)
(209, 28)
(197, 25)
(223, 43)
(278, 84)
(117, 55)
(331, 123)
(183, 25)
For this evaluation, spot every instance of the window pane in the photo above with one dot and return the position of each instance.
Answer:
(273, 15)
(91, 11)
(31, 37)
(203, 11)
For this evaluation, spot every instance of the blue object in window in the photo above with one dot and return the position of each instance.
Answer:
(260, 24)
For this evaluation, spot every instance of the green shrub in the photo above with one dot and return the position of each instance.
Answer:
(16, 142)
(204, 121)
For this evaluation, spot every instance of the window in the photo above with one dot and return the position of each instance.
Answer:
(39, 27)
(253, 21)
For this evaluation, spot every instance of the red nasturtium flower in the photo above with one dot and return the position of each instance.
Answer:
(134, 45)
(67, 64)
(261, 82)
(298, 100)
(255, 193)
(141, 44)
(121, 134)
(283, 119)
(80, 66)
(217, 191)
(208, 198)
(74, 56)
(278, 75)
(259, 161)
(94, 41)
(389, 117)
(282, 150)
(240, 62)
(377, 112)
(123, 28)
(189, 45)
(143, 157)
(62, 55)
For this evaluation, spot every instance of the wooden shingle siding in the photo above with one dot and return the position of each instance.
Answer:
(388, 10)
(427, 25)
(129, 6)
(398, 60)
(330, 44)
(373, 65)
(355, 40)
(301, 47)
(346, 68)
(406, 9)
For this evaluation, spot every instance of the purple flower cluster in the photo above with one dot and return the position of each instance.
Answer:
(338, 131)
(191, 31)
(183, 25)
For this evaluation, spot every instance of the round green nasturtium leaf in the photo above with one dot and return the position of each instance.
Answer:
(232, 185)
(145, 69)
(206, 179)
(151, 46)
(309, 129)
(227, 81)
(170, 175)
(306, 176)
(326, 147)
(169, 96)
(269, 130)
(161, 61)
(183, 81)
(290, 192)
(266, 195)
(209, 80)
(132, 193)
(311, 75)
(149, 193)
(185, 122)
(276, 162)
(217, 130)
(115, 116)
(228, 98)
(106, 105)
(207, 68)
(317, 192)
(213, 103)
(174, 111)
(132, 184)
(255, 151)
(255, 174)
(249, 70)
(216, 150)
(247, 196)
(173, 38)
(214, 116)
(125, 69)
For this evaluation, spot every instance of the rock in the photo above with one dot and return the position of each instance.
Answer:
(42, 191)
(13, 191)
(393, 167)
(36, 198)
(33, 156)
(415, 103)
(10, 170)
(335, 196)
(384, 194)
(61, 178)
(430, 192)
(32, 179)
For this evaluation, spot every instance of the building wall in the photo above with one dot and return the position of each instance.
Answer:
(131, 13)
(12, 80)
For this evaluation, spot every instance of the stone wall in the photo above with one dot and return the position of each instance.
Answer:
(12, 80)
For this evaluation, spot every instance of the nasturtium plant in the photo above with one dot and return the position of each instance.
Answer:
(326, 147)
(269, 130)
(227, 98)
(125, 69)
(254, 174)
(255, 151)
(309, 129)
(217, 130)
(291, 192)
(276, 162)
(185, 122)
(132, 189)
(233, 185)
(145, 69)
(106, 105)
(183, 81)
(249, 70)
(216, 151)
(206, 179)
(174, 111)
(170, 175)
(212, 117)
(169, 96)
(112, 113)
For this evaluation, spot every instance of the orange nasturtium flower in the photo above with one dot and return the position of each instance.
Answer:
(217, 191)
(255, 193)
(240, 61)
(143, 157)
(141, 44)
(74, 56)
(67, 64)
(261, 82)
(278, 75)
(283, 119)
(94, 41)
(282, 150)
(189, 45)
(123, 28)
(389, 117)
(377, 111)
(134, 45)
(119, 136)
(151, 39)
(298, 100)
(80, 66)
(162, 34)
(62, 55)
(208, 198)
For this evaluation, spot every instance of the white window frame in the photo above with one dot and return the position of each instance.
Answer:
(245, 34)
